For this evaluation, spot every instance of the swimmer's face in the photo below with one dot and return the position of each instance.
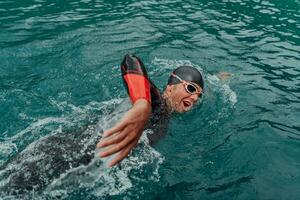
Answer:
(178, 99)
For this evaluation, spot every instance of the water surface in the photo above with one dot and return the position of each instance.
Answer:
(59, 71)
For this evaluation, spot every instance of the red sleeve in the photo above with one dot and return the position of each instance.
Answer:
(138, 87)
(135, 78)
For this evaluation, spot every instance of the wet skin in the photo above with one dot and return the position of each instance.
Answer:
(178, 99)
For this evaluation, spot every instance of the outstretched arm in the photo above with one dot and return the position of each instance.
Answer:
(123, 137)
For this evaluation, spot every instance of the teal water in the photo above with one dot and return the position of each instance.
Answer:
(59, 71)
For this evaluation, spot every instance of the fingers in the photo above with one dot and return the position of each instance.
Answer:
(113, 139)
(117, 147)
(115, 129)
(123, 153)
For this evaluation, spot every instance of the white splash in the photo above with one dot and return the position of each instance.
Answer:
(228, 93)
(96, 176)
(109, 181)
(172, 64)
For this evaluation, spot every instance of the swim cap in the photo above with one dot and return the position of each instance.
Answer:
(187, 73)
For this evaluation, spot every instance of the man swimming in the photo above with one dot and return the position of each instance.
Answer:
(184, 88)
(54, 154)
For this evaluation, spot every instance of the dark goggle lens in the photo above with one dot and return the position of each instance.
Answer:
(191, 89)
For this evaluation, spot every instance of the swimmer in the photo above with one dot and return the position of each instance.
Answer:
(150, 107)
(34, 168)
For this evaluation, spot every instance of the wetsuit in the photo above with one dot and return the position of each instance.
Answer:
(138, 86)
(55, 154)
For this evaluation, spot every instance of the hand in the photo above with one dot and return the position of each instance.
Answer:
(123, 137)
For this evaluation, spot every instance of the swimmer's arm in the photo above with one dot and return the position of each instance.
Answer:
(123, 137)
(135, 78)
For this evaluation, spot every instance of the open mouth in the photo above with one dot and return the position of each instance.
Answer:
(187, 105)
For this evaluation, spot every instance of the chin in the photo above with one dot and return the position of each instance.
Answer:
(186, 109)
(181, 110)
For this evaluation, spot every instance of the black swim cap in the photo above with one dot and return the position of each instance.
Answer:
(187, 73)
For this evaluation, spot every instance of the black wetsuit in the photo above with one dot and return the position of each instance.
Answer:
(53, 155)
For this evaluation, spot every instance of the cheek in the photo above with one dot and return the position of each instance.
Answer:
(179, 94)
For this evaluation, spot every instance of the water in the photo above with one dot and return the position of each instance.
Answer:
(59, 71)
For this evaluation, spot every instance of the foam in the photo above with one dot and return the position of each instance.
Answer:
(77, 114)
(228, 94)
(9, 146)
(95, 176)
(172, 64)
(109, 181)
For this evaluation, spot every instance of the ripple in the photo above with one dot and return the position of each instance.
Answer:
(57, 57)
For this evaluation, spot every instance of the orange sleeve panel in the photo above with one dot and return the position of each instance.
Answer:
(138, 87)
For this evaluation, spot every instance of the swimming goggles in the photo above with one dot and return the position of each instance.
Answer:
(190, 87)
